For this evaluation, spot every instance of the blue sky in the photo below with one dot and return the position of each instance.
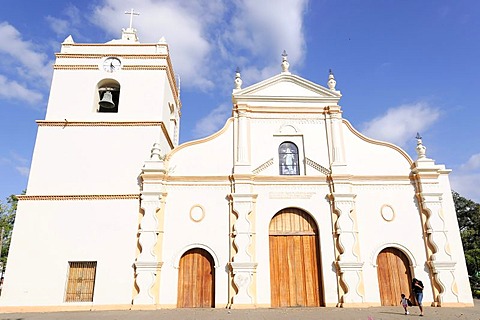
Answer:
(402, 66)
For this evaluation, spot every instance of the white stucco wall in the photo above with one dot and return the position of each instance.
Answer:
(211, 156)
(90, 160)
(49, 234)
(183, 233)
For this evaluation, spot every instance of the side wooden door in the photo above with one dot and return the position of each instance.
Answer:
(294, 260)
(394, 277)
(196, 280)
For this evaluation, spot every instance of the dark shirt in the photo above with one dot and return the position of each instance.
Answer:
(417, 286)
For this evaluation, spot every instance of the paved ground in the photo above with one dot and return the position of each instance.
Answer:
(378, 313)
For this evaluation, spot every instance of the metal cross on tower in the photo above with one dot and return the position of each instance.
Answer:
(131, 13)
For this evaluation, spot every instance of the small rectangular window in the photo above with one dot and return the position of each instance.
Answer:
(81, 281)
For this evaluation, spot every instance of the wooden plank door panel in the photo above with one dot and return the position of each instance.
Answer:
(196, 280)
(294, 260)
(394, 276)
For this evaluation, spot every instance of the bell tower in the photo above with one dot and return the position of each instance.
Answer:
(109, 103)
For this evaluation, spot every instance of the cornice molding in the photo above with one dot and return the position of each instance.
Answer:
(379, 178)
(121, 44)
(144, 67)
(99, 56)
(75, 66)
(200, 179)
(95, 67)
(47, 123)
(78, 197)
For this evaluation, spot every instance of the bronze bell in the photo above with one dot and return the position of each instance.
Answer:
(107, 101)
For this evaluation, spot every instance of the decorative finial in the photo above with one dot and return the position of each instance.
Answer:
(155, 152)
(421, 149)
(285, 63)
(331, 80)
(238, 79)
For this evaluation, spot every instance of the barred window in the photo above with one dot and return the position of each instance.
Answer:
(81, 281)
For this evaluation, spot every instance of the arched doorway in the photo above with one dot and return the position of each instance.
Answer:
(394, 277)
(294, 260)
(196, 280)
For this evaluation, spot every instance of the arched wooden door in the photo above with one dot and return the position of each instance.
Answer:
(294, 260)
(196, 280)
(394, 277)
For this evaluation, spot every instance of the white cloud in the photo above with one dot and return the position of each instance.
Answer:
(32, 63)
(59, 26)
(184, 24)
(17, 162)
(206, 34)
(400, 124)
(213, 121)
(24, 171)
(466, 184)
(11, 89)
(473, 163)
(261, 30)
(466, 177)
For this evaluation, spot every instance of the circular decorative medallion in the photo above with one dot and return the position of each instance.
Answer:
(388, 214)
(197, 213)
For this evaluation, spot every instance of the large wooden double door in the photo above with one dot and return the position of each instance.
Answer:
(394, 276)
(294, 260)
(196, 280)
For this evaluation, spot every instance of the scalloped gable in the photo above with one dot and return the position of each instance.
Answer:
(287, 86)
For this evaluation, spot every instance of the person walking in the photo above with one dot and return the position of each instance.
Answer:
(417, 288)
(404, 303)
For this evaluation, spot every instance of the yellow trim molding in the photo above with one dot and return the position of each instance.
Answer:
(79, 197)
(65, 123)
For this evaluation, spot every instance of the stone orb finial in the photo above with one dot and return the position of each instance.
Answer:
(331, 81)
(238, 79)
(285, 64)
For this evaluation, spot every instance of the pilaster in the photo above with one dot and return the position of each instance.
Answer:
(348, 263)
(242, 260)
(146, 264)
(439, 257)
(242, 143)
(150, 233)
(337, 149)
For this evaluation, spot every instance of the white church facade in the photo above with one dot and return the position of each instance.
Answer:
(287, 205)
